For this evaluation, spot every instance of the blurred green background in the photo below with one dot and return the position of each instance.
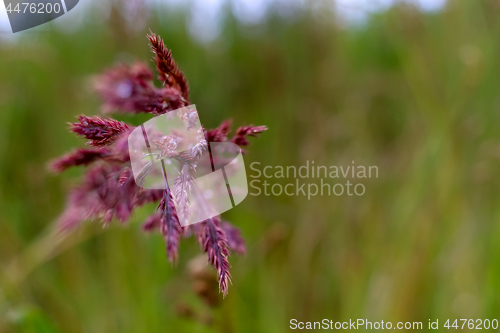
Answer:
(414, 93)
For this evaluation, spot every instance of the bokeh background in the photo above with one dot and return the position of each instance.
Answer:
(412, 88)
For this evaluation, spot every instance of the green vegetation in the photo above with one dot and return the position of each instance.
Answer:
(416, 95)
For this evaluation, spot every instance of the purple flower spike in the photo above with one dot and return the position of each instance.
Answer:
(109, 189)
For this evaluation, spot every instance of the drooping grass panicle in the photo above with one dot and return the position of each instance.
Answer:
(240, 138)
(77, 157)
(128, 88)
(152, 223)
(220, 133)
(103, 194)
(234, 239)
(170, 227)
(215, 245)
(109, 190)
